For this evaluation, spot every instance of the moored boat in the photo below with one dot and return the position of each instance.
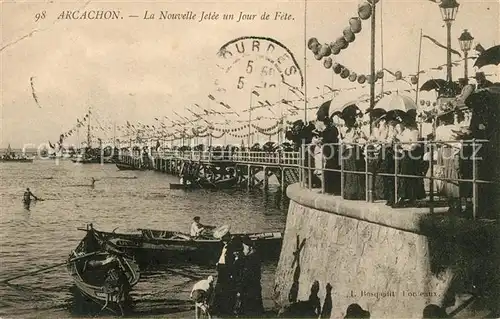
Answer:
(160, 246)
(10, 156)
(17, 160)
(91, 160)
(127, 167)
(104, 275)
(206, 184)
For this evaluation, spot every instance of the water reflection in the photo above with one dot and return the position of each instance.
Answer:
(45, 234)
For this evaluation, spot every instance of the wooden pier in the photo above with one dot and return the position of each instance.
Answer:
(220, 165)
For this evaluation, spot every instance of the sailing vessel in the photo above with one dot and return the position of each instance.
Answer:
(92, 155)
(11, 156)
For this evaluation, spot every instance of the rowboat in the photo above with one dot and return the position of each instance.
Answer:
(104, 275)
(206, 184)
(126, 167)
(150, 246)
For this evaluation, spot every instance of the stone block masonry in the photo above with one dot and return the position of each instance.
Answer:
(370, 254)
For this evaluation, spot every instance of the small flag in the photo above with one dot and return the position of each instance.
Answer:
(441, 45)
(256, 93)
(211, 97)
(225, 105)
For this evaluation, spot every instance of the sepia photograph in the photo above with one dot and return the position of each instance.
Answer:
(249, 159)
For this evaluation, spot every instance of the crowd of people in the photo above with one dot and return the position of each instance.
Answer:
(238, 290)
(395, 145)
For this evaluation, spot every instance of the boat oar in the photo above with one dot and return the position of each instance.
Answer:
(47, 268)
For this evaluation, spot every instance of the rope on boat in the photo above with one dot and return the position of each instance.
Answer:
(47, 268)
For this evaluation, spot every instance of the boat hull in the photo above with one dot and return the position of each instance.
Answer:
(92, 161)
(89, 265)
(222, 184)
(20, 160)
(126, 167)
(160, 247)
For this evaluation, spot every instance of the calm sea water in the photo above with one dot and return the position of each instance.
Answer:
(45, 234)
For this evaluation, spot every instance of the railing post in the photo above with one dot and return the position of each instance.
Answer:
(431, 179)
(322, 169)
(341, 160)
(474, 178)
(395, 149)
(309, 166)
(368, 190)
(302, 167)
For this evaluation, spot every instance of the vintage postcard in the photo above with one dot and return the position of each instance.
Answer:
(222, 159)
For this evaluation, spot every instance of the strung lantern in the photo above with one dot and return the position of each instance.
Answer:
(398, 75)
(361, 79)
(311, 43)
(325, 50)
(349, 35)
(380, 74)
(422, 102)
(327, 63)
(434, 103)
(369, 79)
(345, 73)
(414, 79)
(341, 43)
(428, 103)
(315, 48)
(355, 24)
(353, 76)
(337, 68)
(335, 48)
(365, 10)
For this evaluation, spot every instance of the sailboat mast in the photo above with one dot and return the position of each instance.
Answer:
(114, 134)
(88, 130)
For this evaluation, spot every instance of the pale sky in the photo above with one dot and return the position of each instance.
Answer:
(134, 70)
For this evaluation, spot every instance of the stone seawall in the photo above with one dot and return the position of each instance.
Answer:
(370, 254)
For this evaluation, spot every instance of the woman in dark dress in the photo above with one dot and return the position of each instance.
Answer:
(375, 152)
(251, 292)
(353, 158)
(330, 138)
(410, 189)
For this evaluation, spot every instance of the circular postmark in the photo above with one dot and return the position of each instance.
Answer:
(249, 62)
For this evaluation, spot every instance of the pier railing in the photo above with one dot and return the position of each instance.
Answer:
(278, 158)
(467, 153)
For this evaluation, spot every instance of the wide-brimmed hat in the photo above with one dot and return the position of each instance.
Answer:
(221, 231)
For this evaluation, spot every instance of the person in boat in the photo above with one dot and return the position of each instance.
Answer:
(27, 196)
(201, 294)
(197, 228)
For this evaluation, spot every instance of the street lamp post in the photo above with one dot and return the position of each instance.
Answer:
(465, 41)
(449, 9)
